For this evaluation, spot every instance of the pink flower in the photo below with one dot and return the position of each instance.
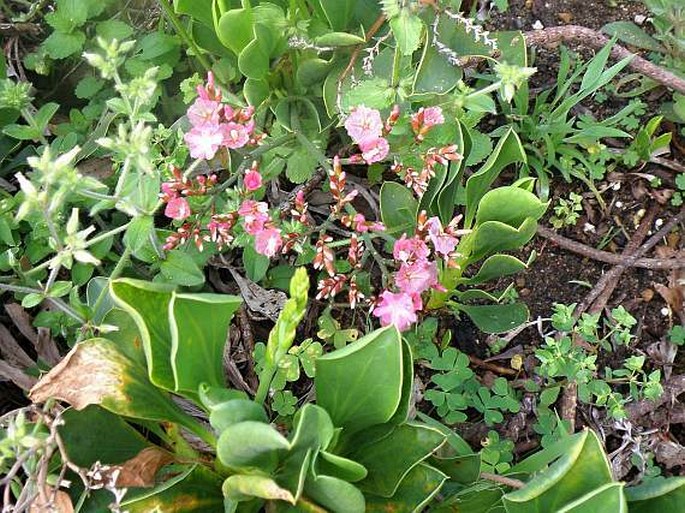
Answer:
(432, 116)
(417, 277)
(252, 180)
(363, 124)
(204, 141)
(374, 150)
(410, 250)
(444, 243)
(235, 135)
(397, 309)
(268, 242)
(178, 209)
(204, 111)
(362, 225)
(255, 215)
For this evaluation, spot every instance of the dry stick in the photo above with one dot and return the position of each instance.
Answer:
(492, 367)
(506, 481)
(601, 292)
(631, 259)
(604, 256)
(593, 39)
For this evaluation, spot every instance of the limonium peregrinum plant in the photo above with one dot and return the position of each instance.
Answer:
(242, 219)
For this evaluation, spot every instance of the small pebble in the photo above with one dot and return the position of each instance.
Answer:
(658, 223)
(619, 204)
(616, 186)
(647, 295)
(566, 17)
(665, 311)
(538, 25)
(640, 19)
(589, 228)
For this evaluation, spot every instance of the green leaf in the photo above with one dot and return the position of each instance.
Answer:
(361, 384)
(200, 10)
(234, 411)
(113, 29)
(496, 266)
(339, 39)
(22, 132)
(334, 494)
(435, 75)
(375, 93)
(45, 114)
(199, 328)
(630, 33)
(256, 91)
(407, 29)
(253, 60)
(609, 497)
(342, 468)
(510, 205)
(32, 299)
(582, 468)
(416, 490)
(662, 495)
(60, 45)
(493, 236)
(95, 434)
(242, 487)
(508, 151)
(399, 208)
(183, 335)
(180, 268)
(301, 165)
(140, 237)
(338, 12)
(196, 488)
(255, 263)
(389, 460)
(88, 87)
(251, 445)
(496, 318)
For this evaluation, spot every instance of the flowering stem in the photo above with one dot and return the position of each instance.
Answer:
(376, 256)
(56, 302)
(492, 87)
(183, 34)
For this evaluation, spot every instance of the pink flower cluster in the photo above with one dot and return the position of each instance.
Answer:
(257, 222)
(175, 192)
(417, 272)
(366, 129)
(425, 119)
(216, 125)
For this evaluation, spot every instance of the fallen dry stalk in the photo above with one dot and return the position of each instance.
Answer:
(593, 39)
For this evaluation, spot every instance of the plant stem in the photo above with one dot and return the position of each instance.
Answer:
(264, 383)
(183, 33)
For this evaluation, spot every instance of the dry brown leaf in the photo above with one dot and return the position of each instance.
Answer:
(61, 504)
(140, 471)
(85, 376)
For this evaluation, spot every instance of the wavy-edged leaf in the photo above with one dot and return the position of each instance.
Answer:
(417, 489)
(361, 384)
(662, 495)
(579, 471)
(389, 460)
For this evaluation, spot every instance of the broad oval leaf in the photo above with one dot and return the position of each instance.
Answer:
(361, 384)
(234, 411)
(251, 445)
(242, 487)
(399, 208)
(662, 495)
(496, 318)
(419, 486)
